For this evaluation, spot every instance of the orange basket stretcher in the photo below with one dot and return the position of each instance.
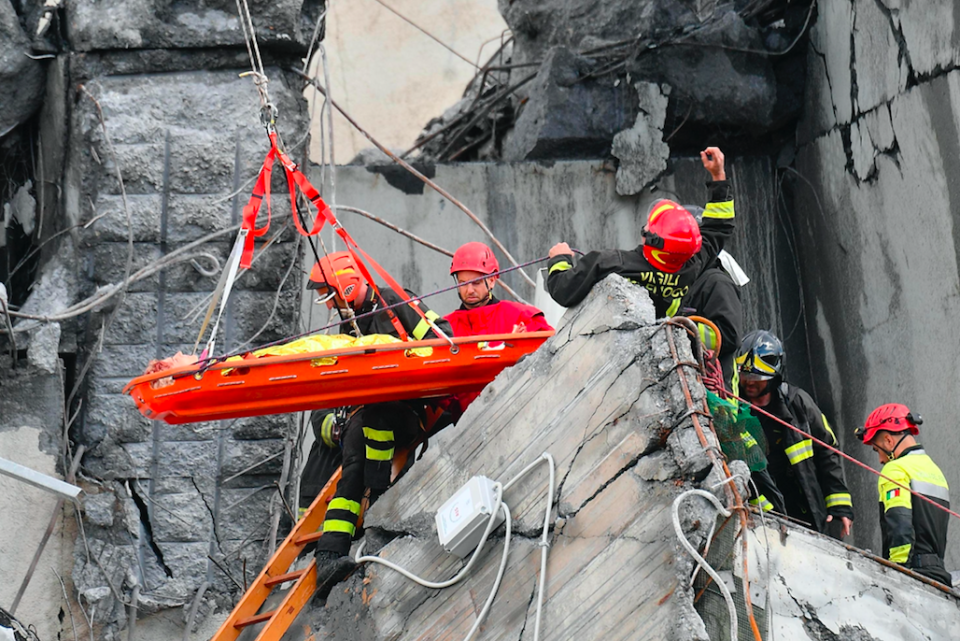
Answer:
(333, 378)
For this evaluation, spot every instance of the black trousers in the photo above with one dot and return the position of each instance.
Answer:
(370, 439)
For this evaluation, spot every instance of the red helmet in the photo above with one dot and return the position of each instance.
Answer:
(474, 257)
(339, 272)
(671, 236)
(892, 417)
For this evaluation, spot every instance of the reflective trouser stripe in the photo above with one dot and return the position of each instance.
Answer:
(762, 502)
(379, 444)
(719, 210)
(840, 498)
(336, 525)
(900, 554)
(800, 451)
(424, 325)
(674, 307)
(374, 454)
(384, 436)
(562, 266)
(340, 503)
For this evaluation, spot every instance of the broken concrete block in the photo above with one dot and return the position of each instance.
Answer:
(44, 348)
(99, 508)
(567, 114)
(726, 87)
(153, 24)
(641, 150)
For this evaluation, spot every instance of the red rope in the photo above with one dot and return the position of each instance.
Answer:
(844, 455)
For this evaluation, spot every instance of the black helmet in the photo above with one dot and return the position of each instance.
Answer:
(761, 355)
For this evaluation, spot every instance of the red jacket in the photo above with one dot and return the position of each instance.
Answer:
(496, 317)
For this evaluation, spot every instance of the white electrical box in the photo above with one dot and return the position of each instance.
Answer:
(462, 520)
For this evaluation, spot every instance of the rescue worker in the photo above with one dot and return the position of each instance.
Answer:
(673, 249)
(480, 311)
(914, 532)
(808, 475)
(371, 433)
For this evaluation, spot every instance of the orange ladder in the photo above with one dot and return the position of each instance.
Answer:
(276, 572)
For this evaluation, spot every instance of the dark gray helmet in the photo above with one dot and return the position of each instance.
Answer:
(761, 355)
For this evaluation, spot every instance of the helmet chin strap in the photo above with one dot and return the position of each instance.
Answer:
(890, 453)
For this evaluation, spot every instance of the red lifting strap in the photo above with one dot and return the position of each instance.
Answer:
(295, 179)
(261, 192)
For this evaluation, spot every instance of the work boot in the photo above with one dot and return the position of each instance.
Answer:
(332, 568)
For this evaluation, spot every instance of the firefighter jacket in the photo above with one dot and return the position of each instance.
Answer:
(569, 280)
(809, 475)
(494, 317)
(716, 297)
(914, 532)
(413, 323)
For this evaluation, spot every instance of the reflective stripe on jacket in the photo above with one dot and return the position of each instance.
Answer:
(816, 469)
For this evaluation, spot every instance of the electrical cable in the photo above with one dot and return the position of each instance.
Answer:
(544, 543)
(499, 505)
(675, 514)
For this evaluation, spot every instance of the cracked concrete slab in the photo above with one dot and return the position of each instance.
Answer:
(820, 590)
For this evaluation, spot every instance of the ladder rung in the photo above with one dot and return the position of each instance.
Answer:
(257, 618)
(308, 538)
(283, 578)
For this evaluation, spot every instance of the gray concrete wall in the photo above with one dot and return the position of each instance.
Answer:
(879, 225)
(168, 498)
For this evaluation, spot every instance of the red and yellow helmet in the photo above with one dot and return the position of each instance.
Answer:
(671, 236)
(339, 272)
(892, 417)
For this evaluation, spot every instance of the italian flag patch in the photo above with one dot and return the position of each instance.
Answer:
(894, 493)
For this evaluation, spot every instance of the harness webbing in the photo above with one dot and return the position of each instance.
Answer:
(297, 180)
